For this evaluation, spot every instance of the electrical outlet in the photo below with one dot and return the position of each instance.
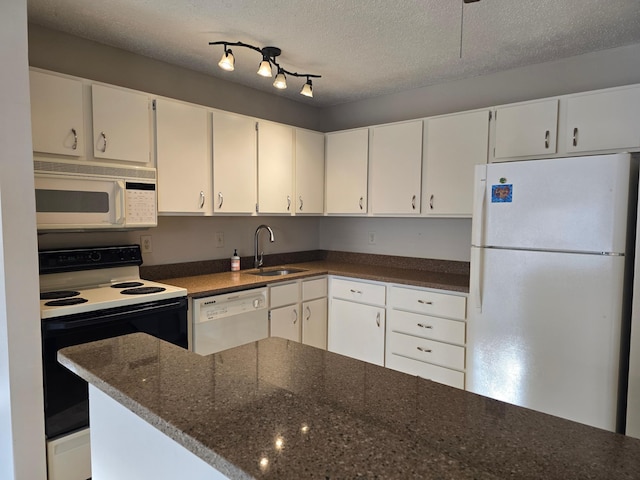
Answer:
(145, 244)
(219, 239)
(372, 238)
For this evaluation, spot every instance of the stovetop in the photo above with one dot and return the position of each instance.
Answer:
(89, 279)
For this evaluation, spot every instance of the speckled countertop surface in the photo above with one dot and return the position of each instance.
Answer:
(315, 414)
(214, 283)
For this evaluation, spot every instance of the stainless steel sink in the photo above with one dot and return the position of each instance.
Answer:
(277, 272)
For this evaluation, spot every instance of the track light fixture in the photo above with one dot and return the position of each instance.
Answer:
(265, 69)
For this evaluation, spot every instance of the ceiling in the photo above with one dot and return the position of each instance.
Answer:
(362, 48)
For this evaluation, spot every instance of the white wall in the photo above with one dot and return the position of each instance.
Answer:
(22, 453)
(591, 71)
(440, 238)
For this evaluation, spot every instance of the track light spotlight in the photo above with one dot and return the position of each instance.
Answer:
(227, 62)
(307, 89)
(269, 54)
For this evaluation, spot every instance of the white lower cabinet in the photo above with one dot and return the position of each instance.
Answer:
(298, 311)
(357, 319)
(426, 334)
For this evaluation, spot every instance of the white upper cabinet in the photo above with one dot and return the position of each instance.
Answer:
(309, 161)
(603, 120)
(527, 129)
(121, 124)
(182, 158)
(275, 168)
(395, 167)
(56, 114)
(234, 163)
(453, 145)
(346, 180)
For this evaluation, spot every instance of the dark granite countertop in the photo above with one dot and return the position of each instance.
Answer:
(215, 283)
(315, 414)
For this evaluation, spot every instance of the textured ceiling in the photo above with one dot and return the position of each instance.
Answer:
(362, 48)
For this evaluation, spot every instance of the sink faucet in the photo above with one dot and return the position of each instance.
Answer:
(257, 260)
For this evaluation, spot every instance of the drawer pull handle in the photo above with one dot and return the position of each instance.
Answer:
(378, 319)
(575, 137)
(424, 350)
(294, 314)
(425, 302)
(422, 325)
(546, 139)
(75, 139)
(359, 292)
(308, 310)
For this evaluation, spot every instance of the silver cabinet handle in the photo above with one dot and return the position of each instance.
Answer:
(546, 139)
(575, 137)
(422, 325)
(295, 316)
(104, 139)
(75, 139)
(361, 202)
(288, 203)
(424, 350)
(431, 202)
(201, 199)
(308, 310)
(425, 302)
(378, 318)
(301, 202)
(359, 292)
(413, 202)
(220, 199)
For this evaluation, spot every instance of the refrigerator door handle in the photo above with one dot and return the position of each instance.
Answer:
(476, 277)
(478, 205)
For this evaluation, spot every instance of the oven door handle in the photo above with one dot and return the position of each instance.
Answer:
(106, 317)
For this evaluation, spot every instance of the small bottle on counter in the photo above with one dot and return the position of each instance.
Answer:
(235, 261)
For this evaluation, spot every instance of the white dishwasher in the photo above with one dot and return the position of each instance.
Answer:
(229, 320)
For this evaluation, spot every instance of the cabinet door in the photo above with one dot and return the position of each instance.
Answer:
(275, 168)
(314, 323)
(347, 159)
(527, 129)
(285, 322)
(396, 165)
(454, 144)
(121, 122)
(357, 331)
(182, 158)
(604, 120)
(309, 172)
(56, 114)
(234, 163)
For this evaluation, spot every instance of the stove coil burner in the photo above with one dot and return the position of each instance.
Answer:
(142, 290)
(127, 284)
(65, 302)
(58, 294)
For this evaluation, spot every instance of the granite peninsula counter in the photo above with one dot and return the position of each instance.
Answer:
(276, 409)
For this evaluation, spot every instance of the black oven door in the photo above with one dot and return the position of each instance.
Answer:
(66, 399)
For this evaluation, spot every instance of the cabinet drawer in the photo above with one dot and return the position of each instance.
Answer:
(443, 354)
(431, 303)
(280, 295)
(438, 374)
(316, 288)
(425, 326)
(358, 291)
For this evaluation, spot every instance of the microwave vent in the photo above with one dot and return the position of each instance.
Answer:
(93, 170)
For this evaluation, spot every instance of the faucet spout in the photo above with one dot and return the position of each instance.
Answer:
(258, 259)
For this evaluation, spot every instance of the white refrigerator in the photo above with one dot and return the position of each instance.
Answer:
(548, 297)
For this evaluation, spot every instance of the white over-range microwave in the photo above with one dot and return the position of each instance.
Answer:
(73, 195)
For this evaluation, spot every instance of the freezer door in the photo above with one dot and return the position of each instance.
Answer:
(566, 204)
(547, 336)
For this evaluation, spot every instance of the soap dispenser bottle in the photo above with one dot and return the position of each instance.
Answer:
(235, 261)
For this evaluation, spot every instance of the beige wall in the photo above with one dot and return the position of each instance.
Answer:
(22, 453)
